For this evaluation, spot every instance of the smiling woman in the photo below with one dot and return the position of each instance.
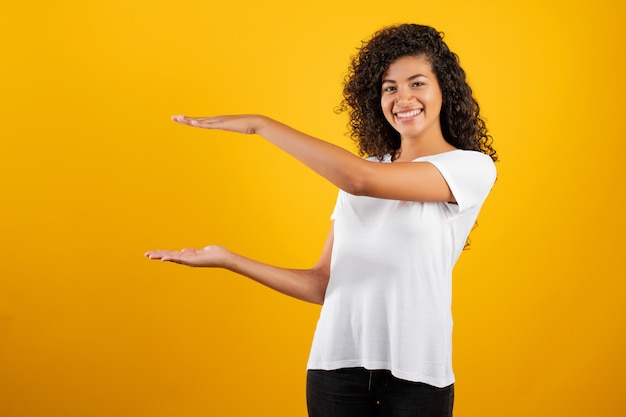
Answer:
(383, 340)
(93, 173)
(391, 49)
(411, 102)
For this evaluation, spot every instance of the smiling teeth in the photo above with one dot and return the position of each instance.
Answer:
(409, 114)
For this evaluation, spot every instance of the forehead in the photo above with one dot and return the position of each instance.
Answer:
(410, 65)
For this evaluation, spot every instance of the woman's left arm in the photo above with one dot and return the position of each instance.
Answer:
(415, 181)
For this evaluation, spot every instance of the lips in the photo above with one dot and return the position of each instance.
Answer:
(405, 115)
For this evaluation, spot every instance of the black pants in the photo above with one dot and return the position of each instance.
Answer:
(357, 392)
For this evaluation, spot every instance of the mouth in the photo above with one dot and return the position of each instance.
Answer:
(408, 115)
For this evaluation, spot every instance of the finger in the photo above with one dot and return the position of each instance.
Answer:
(177, 258)
(201, 122)
(194, 121)
(186, 119)
(182, 120)
(157, 254)
(205, 122)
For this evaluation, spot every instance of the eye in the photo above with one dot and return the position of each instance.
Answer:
(417, 84)
(389, 89)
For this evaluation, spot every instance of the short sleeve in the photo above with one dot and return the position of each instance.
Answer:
(469, 174)
(340, 199)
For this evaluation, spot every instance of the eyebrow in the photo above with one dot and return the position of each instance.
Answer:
(411, 78)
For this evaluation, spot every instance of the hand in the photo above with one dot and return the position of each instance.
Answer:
(210, 256)
(247, 124)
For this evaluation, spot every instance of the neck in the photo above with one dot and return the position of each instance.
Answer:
(413, 148)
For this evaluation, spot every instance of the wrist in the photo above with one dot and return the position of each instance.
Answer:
(229, 260)
(262, 124)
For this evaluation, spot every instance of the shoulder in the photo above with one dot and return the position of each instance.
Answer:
(463, 160)
(469, 174)
(459, 155)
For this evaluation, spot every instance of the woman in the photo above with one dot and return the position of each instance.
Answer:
(382, 346)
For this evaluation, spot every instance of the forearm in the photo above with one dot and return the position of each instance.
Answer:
(332, 162)
(304, 284)
(342, 168)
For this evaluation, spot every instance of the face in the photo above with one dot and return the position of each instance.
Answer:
(411, 98)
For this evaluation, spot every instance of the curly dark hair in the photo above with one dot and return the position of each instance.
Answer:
(461, 124)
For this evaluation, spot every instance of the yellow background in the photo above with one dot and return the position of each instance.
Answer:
(93, 173)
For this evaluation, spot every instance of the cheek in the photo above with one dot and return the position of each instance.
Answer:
(437, 97)
(386, 104)
(433, 101)
(387, 110)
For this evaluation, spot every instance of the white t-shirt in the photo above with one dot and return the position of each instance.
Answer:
(388, 301)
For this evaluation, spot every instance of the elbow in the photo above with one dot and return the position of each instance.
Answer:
(319, 284)
(360, 187)
(318, 301)
(354, 176)
(354, 188)
(316, 296)
(319, 295)
(356, 183)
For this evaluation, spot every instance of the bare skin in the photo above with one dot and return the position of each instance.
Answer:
(415, 181)
(411, 101)
(303, 284)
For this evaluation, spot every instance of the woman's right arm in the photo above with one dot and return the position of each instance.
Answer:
(303, 284)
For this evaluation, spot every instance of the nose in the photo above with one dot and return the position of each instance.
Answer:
(404, 96)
